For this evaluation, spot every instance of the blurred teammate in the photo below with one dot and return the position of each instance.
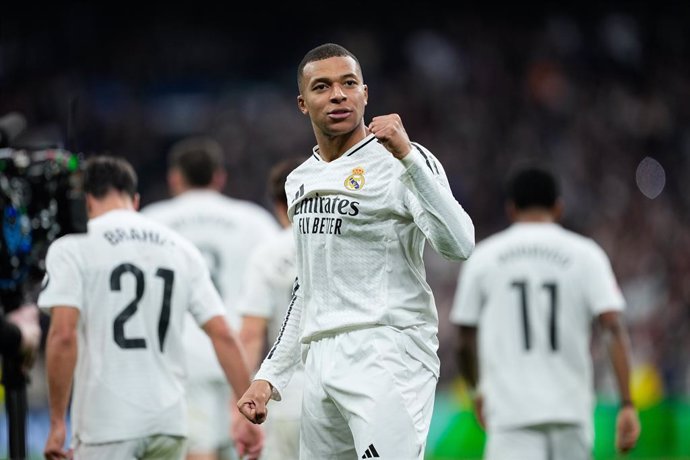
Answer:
(362, 317)
(531, 293)
(118, 296)
(267, 288)
(225, 230)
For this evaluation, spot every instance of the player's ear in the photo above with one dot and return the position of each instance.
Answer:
(136, 201)
(175, 182)
(219, 179)
(301, 105)
(366, 94)
(88, 203)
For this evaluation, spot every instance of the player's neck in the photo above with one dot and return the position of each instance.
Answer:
(186, 189)
(333, 147)
(534, 216)
(111, 202)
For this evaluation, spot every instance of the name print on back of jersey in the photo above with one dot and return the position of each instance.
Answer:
(120, 235)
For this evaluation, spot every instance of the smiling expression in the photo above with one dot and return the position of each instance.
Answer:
(333, 94)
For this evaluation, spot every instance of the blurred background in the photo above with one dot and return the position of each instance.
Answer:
(600, 91)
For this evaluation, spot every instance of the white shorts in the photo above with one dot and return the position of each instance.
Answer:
(282, 439)
(157, 447)
(208, 405)
(365, 396)
(540, 442)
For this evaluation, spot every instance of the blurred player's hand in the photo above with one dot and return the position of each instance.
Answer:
(390, 132)
(248, 438)
(252, 404)
(627, 428)
(26, 319)
(56, 440)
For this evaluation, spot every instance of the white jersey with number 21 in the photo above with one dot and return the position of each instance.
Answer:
(133, 281)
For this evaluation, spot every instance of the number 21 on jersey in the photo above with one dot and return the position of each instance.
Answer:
(168, 277)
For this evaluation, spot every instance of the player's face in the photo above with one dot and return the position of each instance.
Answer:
(333, 95)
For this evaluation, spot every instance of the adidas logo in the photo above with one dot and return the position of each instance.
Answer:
(371, 452)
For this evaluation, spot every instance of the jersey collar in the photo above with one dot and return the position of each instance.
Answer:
(351, 151)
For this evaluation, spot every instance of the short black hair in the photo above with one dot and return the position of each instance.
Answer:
(103, 173)
(277, 177)
(321, 52)
(533, 187)
(197, 158)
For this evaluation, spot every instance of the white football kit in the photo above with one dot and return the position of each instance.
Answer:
(533, 290)
(362, 309)
(268, 283)
(133, 281)
(225, 230)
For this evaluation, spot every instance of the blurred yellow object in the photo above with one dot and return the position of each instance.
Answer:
(646, 387)
(461, 393)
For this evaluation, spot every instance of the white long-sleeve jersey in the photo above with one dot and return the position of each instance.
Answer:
(360, 224)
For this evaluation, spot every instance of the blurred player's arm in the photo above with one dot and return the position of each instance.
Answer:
(253, 337)
(256, 307)
(229, 352)
(278, 366)
(61, 360)
(468, 366)
(466, 355)
(616, 337)
(231, 356)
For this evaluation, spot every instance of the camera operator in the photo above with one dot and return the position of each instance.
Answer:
(40, 200)
(20, 331)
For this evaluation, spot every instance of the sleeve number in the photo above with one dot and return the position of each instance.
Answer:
(552, 290)
(168, 277)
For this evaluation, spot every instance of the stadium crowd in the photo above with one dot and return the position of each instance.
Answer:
(599, 96)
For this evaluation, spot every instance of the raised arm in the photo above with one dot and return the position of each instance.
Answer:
(443, 220)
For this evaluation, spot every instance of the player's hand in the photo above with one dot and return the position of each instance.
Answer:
(56, 440)
(389, 131)
(248, 438)
(627, 428)
(252, 404)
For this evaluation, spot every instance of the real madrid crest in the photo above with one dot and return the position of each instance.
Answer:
(355, 181)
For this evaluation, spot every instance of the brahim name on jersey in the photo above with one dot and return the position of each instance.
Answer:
(121, 235)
